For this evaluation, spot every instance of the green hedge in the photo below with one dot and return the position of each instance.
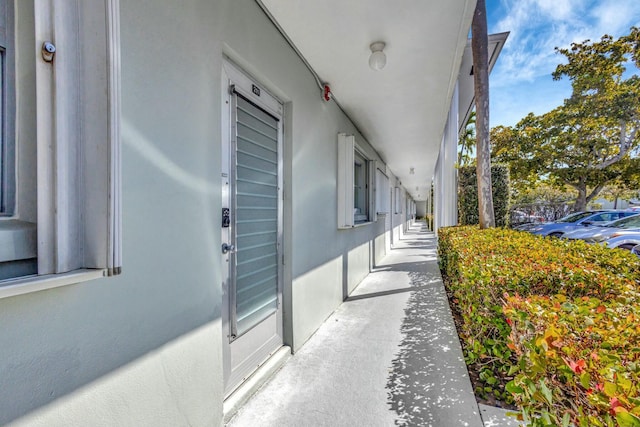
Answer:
(520, 294)
(579, 359)
(468, 195)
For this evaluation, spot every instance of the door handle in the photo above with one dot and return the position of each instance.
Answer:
(226, 248)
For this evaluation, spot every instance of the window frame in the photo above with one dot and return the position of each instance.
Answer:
(7, 109)
(382, 191)
(347, 149)
(361, 196)
(77, 143)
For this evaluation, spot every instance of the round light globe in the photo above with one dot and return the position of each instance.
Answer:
(378, 59)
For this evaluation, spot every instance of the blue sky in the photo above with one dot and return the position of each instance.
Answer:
(521, 80)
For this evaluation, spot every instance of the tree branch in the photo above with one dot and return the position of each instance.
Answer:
(596, 191)
(625, 144)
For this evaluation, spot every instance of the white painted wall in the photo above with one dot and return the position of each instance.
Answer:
(380, 241)
(421, 208)
(446, 174)
(144, 348)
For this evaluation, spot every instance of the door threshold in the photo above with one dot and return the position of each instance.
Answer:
(243, 393)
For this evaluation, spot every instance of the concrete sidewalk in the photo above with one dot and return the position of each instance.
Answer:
(389, 355)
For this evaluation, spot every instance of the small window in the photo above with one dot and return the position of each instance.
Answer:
(7, 109)
(360, 188)
(354, 183)
(66, 217)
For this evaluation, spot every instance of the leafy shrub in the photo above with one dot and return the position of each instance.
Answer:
(480, 267)
(579, 359)
(468, 195)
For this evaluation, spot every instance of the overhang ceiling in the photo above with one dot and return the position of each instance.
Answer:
(465, 88)
(402, 109)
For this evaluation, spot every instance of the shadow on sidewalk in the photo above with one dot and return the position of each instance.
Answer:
(428, 383)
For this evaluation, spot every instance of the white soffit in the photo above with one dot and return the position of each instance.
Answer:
(466, 90)
(402, 109)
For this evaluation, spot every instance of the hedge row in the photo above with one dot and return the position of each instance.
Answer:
(531, 308)
(468, 195)
(579, 359)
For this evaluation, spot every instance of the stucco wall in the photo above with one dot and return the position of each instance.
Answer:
(421, 208)
(144, 348)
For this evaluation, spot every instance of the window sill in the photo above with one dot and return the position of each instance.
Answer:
(25, 285)
(360, 224)
(17, 240)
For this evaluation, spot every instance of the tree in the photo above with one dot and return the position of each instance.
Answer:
(480, 52)
(592, 139)
(620, 191)
(467, 142)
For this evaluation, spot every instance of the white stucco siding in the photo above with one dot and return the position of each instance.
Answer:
(144, 348)
(380, 241)
(421, 208)
(316, 240)
(111, 337)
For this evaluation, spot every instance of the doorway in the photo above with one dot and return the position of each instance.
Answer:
(251, 227)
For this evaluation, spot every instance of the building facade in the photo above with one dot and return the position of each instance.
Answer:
(181, 202)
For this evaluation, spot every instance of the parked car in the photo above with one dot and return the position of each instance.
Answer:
(596, 233)
(636, 250)
(569, 218)
(578, 221)
(520, 217)
(624, 239)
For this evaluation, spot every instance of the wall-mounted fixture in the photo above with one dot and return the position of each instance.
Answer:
(378, 59)
(326, 92)
(412, 171)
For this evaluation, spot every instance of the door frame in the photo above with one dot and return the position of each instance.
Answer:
(236, 80)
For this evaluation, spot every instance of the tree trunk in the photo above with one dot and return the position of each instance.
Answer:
(480, 51)
(581, 200)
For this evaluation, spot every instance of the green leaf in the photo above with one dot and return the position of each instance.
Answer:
(624, 383)
(610, 389)
(585, 380)
(626, 419)
(511, 387)
(546, 393)
(566, 419)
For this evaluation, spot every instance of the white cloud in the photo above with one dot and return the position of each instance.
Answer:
(538, 26)
(521, 80)
(615, 17)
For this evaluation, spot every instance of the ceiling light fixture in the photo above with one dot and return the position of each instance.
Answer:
(378, 59)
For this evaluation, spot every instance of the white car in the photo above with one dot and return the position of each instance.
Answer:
(600, 233)
(577, 221)
(624, 239)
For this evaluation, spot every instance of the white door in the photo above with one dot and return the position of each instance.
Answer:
(251, 227)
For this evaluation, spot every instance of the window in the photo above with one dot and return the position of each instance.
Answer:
(354, 183)
(7, 108)
(60, 117)
(398, 199)
(360, 188)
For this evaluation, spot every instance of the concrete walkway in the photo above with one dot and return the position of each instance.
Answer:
(389, 355)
